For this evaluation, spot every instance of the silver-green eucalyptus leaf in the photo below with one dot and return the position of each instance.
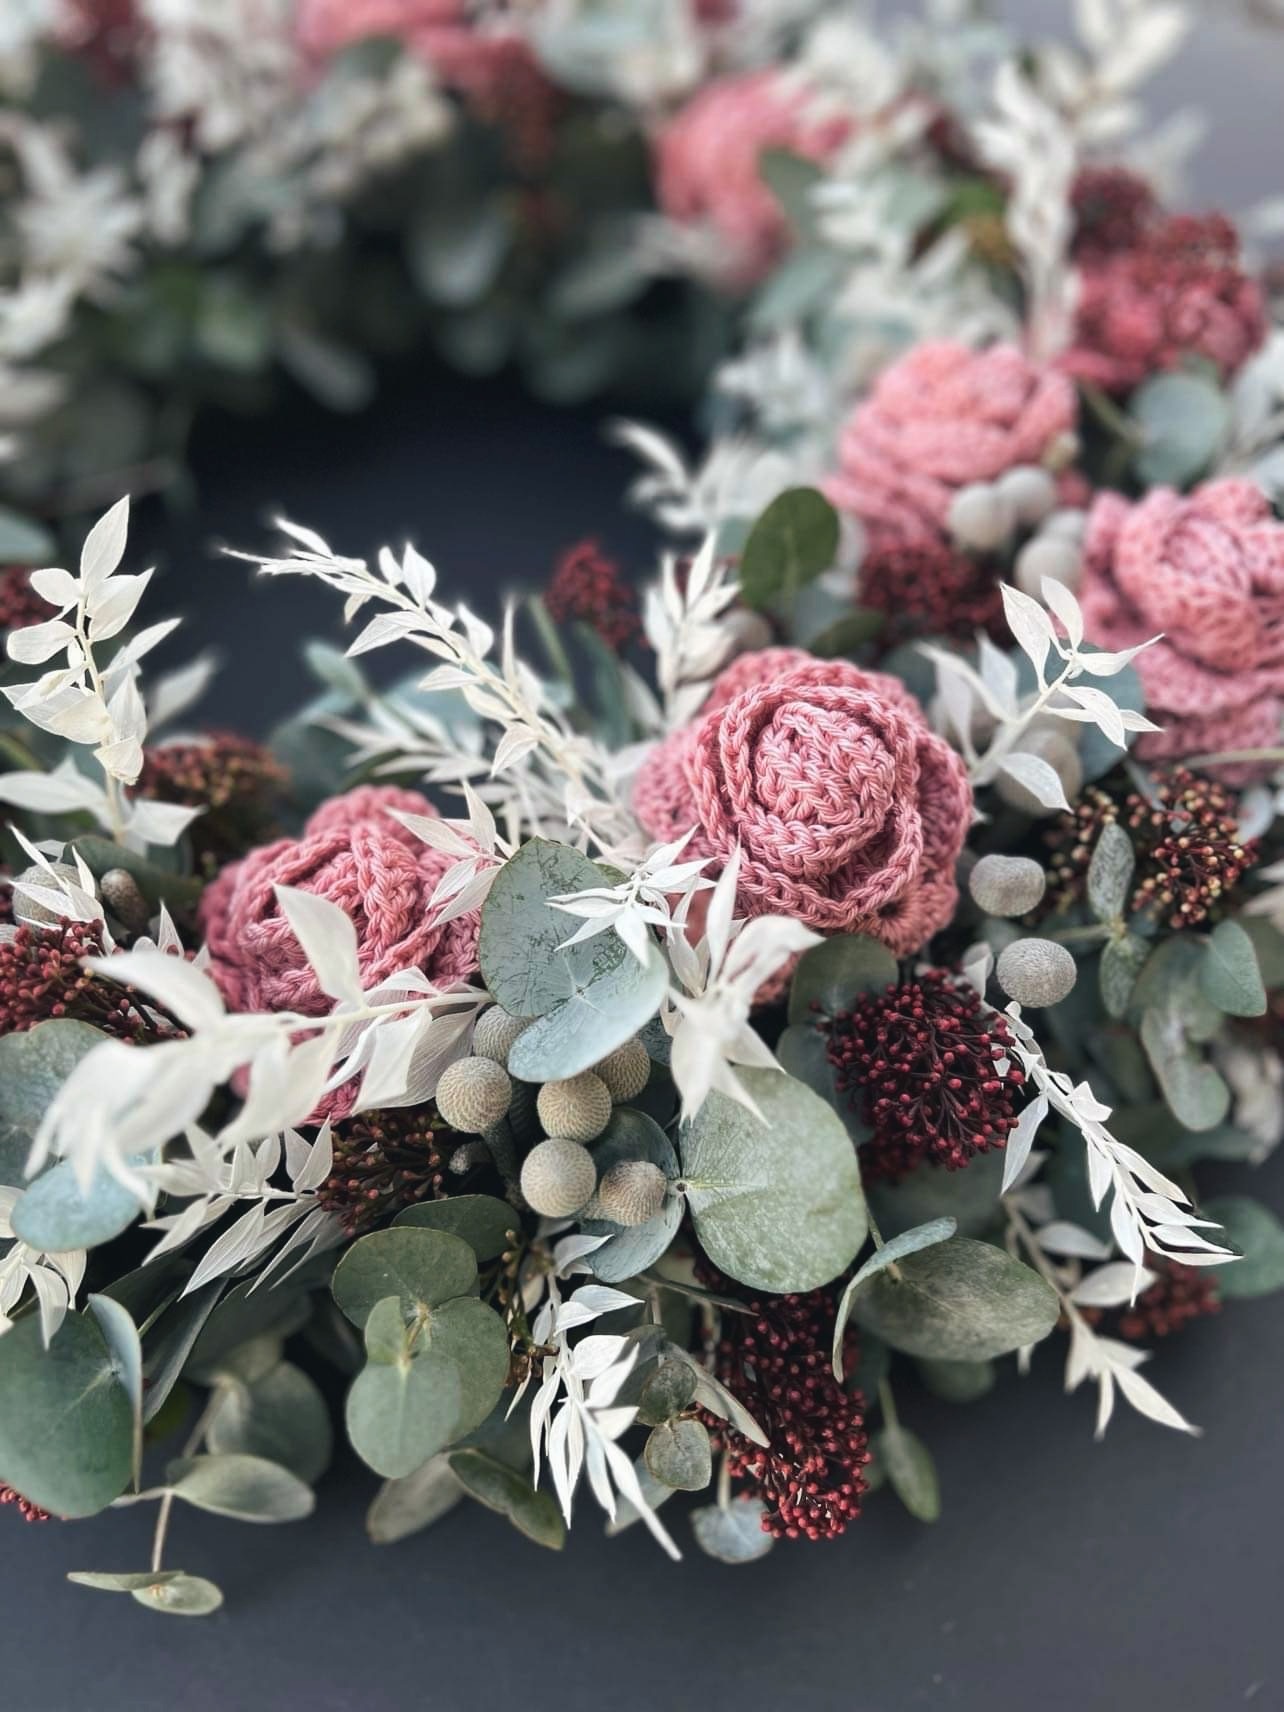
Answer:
(908, 1242)
(502, 1489)
(596, 1019)
(421, 1267)
(1258, 1235)
(910, 1471)
(732, 1533)
(248, 1488)
(1229, 974)
(417, 1500)
(487, 1224)
(1110, 873)
(959, 1300)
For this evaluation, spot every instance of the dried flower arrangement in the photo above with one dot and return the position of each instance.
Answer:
(837, 959)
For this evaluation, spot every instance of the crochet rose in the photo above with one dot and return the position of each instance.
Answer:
(941, 417)
(706, 165)
(1179, 292)
(1207, 570)
(493, 68)
(354, 853)
(850, 813)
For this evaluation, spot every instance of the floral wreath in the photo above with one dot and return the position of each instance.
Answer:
(696, 1013)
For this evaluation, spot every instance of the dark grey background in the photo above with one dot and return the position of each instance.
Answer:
(1064, 1575)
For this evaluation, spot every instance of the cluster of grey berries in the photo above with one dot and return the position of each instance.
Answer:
(558, 1176)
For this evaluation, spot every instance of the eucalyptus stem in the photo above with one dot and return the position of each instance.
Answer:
(888, 1404)
(213, 1403)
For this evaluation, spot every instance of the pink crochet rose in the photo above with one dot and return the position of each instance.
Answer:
(1178, 292)
(354, 853)
(941, 417)
(849, 811)
(493, 68)
(706, 165)
(1206, 569)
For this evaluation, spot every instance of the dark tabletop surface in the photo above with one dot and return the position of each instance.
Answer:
(1064, 1576)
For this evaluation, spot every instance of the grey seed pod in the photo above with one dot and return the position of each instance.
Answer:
(1052, 556)
(1007, 885)
(1061, 755)
(1030, 491)
(1068, 521)
(980, 517)
(632, 1192)
(120, 892)
(27, 910)
(626, 1071)
(558, 1177)
(1036, 972)
(495, 1034)
(473, 1094)
(578, 1108)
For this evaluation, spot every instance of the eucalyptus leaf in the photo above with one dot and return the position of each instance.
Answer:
(910, 1471)
(669, 1390)
(249, 1488)
(578, 1033)
(908, 1242)
(183, 1596)
(525, 961)
(678, 1455)
(802, 1052)
(403, 1507)
(280, 1416)
(56, 1215)
(23, 541)
(1184, 419)
(958, 1381)
(125, 1352)
(776, 1200)
(629, 1250)
(1110, 872)
(34, 1064)
(1193, 1089)
(159, 883)
(835, 972)
(502, 1489)
(792, 542)
(1229, 974)
(970, 1196)
(110, 1581)
(1259, 1236)
(420, 1267)
(172, 1341)
(66, 1422)
(959, 1300)
(487, 1224)
(732, 1533)
(1122, 960)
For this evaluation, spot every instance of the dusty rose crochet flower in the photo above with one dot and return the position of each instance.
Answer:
(493, 69)
(1207, 570)
(1179, 292)
(941, 417)
(706, 164)
(849, 811)
(355, 854)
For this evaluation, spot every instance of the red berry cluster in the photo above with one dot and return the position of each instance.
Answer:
(1112, 207)
(384, 1161)
(1179, 1295)
(928, 588)
(776, 1359)
(920, 1061)
(41, 978)
(232, 778)
(20, 605)
(26, 1509)
(588, 586)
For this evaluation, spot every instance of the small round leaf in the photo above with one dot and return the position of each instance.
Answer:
(420, 1267)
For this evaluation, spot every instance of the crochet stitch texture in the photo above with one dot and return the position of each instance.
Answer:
(1207, 570)
(942, 417)
(850, 813)
(355, 854)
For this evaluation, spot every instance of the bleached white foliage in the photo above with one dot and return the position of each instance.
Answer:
(987, 696)
(552, 780)
(686, 624)
(54, 1278)
(738, 477)
(88, 701)
(658, 888)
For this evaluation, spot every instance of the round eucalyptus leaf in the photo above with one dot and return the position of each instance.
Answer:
(776, 1199)
(249, 1488)
(678, 1455)
(421, 1267)
(180, 1595)
(484, 1222)
(910, 1471)
(280, 1416)
(958, 1301)
(35, 1064)
(109, 1581)
(582, 1030)
(56, 1215)
(66, 1422)
(525, 960)
(733, 1534)
(1229, 974)
(885, 1255)
(669, 1390)
(1258, 1235)
(970, 1197)
(1184, 419)
(23, 541)
(801, 1052)
(402, 1507)
(502, 1489)
(1122, 960)
(835, 972)
(631, 1135)
(446, 1381)
(958, 1381)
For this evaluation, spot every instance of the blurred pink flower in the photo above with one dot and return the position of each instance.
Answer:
(941, 417)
